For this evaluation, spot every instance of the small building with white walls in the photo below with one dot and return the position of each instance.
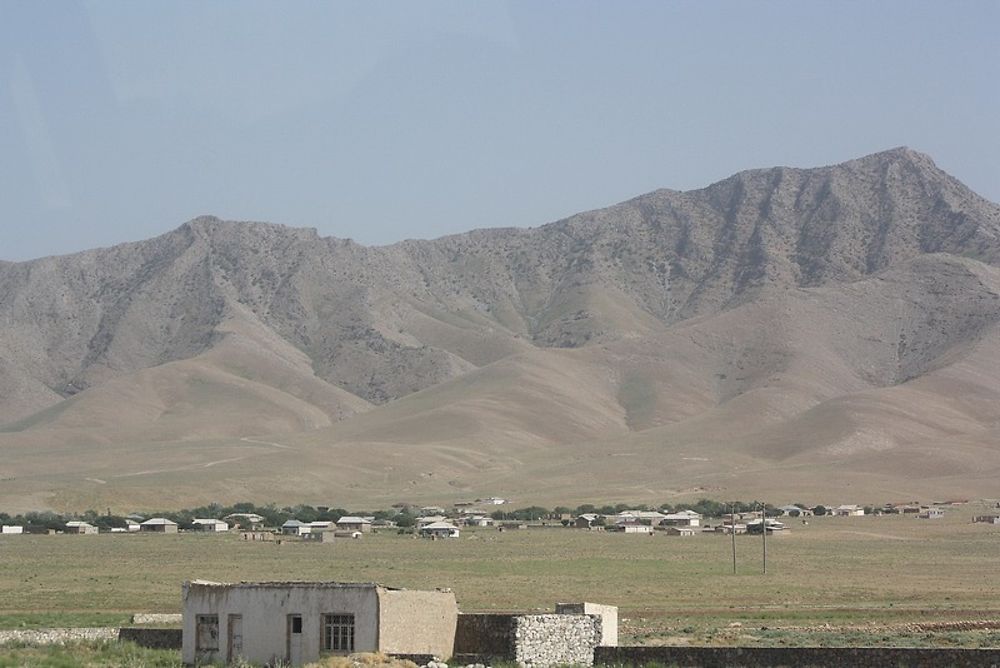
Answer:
(440, 530)
(351, 523)
(159, 525)
(607, 613)
(294, 623)
(79, 527)
(209, 525)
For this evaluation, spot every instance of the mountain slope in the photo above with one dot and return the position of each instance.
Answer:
(749, 319)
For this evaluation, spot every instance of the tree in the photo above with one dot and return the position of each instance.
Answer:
(820, 511)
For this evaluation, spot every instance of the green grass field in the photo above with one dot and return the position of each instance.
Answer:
(867, 580)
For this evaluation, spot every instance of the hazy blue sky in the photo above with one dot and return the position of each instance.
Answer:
(381, 121)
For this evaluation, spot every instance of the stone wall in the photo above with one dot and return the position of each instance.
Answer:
(556, 640)
(805, 657)
(165, 618)
(56, 636)
(607, 613)
(153, 638)
(529, 640)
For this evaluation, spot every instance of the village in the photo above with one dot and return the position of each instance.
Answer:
(488, 581)
(324, 524)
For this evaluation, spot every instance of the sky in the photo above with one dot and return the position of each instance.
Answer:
(381, 121)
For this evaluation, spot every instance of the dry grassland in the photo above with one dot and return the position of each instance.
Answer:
(876, 579)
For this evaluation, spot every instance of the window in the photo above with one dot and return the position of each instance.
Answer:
(207, 633)
(338, 633)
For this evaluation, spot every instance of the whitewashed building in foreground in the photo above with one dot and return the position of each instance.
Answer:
(293, 623)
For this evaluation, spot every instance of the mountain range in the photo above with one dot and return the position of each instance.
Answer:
(826, 334)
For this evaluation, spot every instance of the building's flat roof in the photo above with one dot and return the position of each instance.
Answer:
(297, 584)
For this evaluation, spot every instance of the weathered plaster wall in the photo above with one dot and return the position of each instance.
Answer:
(417, 622)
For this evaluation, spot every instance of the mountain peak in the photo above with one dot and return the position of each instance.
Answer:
(899, 154)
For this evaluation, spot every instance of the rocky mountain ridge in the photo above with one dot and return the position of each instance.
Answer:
(295, 332)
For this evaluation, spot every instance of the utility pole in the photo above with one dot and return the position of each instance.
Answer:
(732, 526)
(763, 532)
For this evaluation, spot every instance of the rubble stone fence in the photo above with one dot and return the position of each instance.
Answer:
(56, 636)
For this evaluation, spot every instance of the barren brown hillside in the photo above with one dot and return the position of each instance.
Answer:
(784, 332)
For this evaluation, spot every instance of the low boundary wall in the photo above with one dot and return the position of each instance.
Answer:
(796, 657)
(56, 636)
(152, 638)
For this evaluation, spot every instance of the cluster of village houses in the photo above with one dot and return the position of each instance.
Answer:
(436, 522)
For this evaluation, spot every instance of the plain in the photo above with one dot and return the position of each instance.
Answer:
(858, 580)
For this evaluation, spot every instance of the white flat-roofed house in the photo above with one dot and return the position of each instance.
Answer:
(294, 623)
(11, 529)
(210, 525)
(849, 510)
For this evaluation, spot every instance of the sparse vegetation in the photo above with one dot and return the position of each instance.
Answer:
(820, 577)
(111, 654)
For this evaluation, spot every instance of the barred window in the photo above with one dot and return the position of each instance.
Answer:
(338, 633)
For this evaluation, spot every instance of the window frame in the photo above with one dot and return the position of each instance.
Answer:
(347, 634)
(200, 621)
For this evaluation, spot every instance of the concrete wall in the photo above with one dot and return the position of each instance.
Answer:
(815, 657)
(607, 613)
(417, 622)
(265, 608)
